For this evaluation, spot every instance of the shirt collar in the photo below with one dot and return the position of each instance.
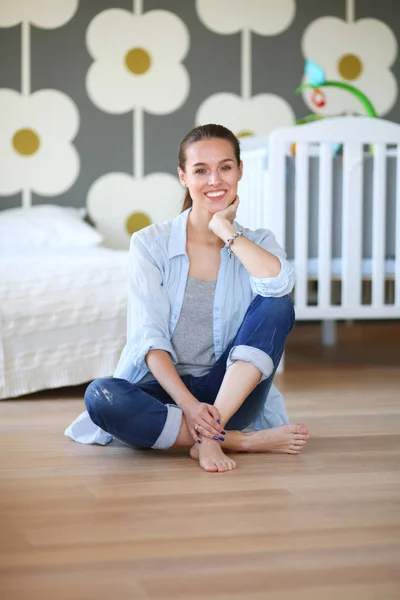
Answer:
(177, 240)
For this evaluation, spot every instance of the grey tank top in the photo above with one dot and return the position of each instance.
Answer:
(193, 339)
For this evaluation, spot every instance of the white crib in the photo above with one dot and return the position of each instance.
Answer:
(362, 281)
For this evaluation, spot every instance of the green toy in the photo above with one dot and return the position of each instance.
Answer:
(317, 81)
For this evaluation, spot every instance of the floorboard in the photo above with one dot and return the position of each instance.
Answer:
(83, 523)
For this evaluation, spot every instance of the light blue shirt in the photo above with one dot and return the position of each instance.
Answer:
(158, 272)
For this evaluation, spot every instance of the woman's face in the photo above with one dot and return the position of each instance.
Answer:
(211, 174)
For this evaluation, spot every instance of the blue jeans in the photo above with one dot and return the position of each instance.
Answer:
(143, 415)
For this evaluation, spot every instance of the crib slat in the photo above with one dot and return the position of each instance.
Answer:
(243, 190)
(252, 191)
(260, 191)
(325, 225)
(397, 232)
(255, 196)
(352, 226)
(275, 207)
(378, 225)
(301, 224)
(266, 199)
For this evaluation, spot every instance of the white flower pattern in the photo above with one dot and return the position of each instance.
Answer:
(264, 17)
(119, 205)
(48, 14)
(137, 61)
(36, 152)
(257, 116)
(347, 53)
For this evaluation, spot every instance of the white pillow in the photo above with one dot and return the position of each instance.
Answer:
(44, 225)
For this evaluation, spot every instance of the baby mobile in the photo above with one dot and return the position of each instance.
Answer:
(316, 80)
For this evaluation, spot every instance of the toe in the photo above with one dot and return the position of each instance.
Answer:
(303, 429)
(300, 428)
(300, 436)
(296, 448)
(209, 466)
(295, 429)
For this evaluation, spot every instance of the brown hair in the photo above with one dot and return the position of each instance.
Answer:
(205, 132)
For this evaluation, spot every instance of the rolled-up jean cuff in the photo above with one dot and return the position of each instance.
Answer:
(255, 356)
(170, 431)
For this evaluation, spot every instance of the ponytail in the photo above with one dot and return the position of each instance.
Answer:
(187, 201)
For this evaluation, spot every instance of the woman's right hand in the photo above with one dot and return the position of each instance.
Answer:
(206, 416)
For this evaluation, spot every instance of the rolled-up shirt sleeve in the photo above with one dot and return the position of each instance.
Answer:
(283, 283)
(148, 306)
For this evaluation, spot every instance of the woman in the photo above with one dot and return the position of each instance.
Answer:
(209, 313)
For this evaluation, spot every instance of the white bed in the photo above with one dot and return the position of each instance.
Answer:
(62, 316)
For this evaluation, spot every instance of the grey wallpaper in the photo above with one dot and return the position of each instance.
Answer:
(242, 48)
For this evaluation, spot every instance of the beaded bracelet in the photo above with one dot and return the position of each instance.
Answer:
(230, 241)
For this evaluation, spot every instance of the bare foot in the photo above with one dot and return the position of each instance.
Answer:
(286, 439)
(211, 457)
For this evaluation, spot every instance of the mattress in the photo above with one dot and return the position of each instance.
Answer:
(336, 267)
(62, 317)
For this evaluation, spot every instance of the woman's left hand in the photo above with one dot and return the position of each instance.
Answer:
(228, 214)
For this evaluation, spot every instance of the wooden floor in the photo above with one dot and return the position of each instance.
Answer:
(93, 523)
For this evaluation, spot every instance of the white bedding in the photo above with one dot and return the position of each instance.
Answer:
(62, 317)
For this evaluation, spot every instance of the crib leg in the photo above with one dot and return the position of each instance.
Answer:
(329, 332)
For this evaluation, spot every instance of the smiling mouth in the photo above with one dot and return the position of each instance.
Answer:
(217, 195)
